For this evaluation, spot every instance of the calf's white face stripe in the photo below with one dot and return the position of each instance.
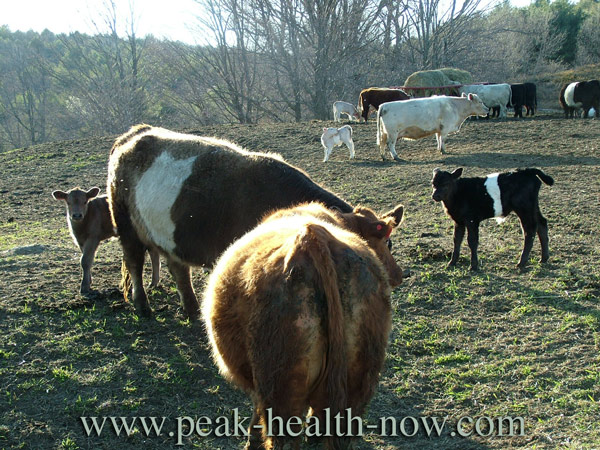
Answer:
(491, 185)
(155, 194)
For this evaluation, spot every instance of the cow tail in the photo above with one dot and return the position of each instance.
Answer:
(381, 134)
(542, 176)
(125, 283)
(336, 366)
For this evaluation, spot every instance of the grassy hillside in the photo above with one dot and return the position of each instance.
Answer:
(490, 344)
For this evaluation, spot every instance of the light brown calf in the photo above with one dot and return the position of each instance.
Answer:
(89, 222)
(298, 315)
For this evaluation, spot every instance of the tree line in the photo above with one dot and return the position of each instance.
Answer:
(272, 60)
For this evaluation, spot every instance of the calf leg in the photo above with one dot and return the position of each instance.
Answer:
(155, 260)
(350, 145)
(182, 275)
(529, 227)
(327, 153)
(255, 439)
(542, 232)
(87, 259)
(459, 234)
(473, 240)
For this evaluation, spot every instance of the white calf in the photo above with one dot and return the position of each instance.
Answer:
(346, 108)
(334, 137)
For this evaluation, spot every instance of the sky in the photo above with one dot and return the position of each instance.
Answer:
(169, 19)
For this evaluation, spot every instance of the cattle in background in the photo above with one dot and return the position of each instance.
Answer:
(88, 218)
(530, 98)
(582, 94)
(190, 197)
(518, 95)
(421, 117)
(468, 201)
(491, 95)
(377, 96)
(334, 137)
(298, 315)
(348, 109)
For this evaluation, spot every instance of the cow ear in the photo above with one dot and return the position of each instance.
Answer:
(471, 97)
(397, 214)
(324, 130)
(464, 94)
(457, 173)
(59, 195)
(436, 170)
(92, 192)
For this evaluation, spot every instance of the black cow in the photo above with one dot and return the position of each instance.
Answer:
(518, 98)
(530, 98)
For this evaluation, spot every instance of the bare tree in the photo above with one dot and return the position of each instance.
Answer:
(25, 90)
(104, 73)
(438, 29)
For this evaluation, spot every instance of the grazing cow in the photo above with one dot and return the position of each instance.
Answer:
(376, 96)
(345, 108)
(581, 94)
(470, 200)
(530, 98)
(421, 117)
(89, 223)
(491, 95)
(334, 137)
(298, 315)
(190, 197)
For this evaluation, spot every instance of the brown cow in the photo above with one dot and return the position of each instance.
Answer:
(298, 315)
(89, 223)
(376, 96)
(190, 197)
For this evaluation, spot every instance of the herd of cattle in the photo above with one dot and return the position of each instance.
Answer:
(400, 116)
(297, 307)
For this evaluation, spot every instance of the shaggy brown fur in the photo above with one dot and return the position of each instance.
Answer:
(227, 193)
(298, 314)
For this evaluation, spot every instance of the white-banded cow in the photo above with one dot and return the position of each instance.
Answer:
(490, 94)
(334, 137)
(468, 201)
(348, 109)
(580, 94)
(298, 315)
(88, 218)
(190, 197)
(421, 117)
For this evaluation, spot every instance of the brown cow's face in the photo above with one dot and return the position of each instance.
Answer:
(77, 201)
(376, 231)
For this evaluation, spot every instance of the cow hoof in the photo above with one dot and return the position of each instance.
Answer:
(474, 269)
(144, 311)
(397, 159)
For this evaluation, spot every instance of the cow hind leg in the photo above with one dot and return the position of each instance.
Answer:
(542, 232)
(529, 228)
(133, 260)
(182, 275)
(155, 262)
(391, 144)
(440, 143)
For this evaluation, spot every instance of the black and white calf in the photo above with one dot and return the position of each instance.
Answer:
(470, 200)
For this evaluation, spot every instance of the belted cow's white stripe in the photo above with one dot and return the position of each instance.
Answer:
(493, 189)
(155, 194)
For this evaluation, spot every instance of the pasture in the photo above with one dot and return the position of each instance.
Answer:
(496, 343)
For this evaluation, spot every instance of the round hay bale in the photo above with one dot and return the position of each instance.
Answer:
(426, 78)
(458, 75)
